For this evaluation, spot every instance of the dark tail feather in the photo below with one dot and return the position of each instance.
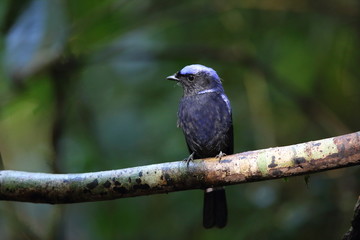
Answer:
(209, 206)
(220, 208)
(215, 209)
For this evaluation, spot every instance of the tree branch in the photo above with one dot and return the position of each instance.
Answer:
(272, 163)
(354, 231)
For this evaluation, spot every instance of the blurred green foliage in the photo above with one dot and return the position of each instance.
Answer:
(82, 88)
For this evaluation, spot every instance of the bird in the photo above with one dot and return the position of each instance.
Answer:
(205, 117)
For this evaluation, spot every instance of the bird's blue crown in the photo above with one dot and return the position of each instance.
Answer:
(196, 68)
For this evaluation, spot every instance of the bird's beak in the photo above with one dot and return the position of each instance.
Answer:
(172, 78)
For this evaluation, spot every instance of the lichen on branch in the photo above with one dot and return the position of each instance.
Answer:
(271, 163)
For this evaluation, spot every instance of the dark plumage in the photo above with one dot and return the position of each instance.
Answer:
(205, 117)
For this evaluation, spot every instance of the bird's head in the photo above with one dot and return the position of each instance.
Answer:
(196, 78)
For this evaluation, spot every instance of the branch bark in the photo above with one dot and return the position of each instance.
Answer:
(265, 164)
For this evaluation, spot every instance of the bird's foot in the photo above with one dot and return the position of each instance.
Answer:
(220, 155)
(189, 159)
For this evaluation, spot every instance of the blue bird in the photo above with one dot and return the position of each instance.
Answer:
(205, 117)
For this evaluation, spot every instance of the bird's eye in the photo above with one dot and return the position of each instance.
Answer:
(190, 77)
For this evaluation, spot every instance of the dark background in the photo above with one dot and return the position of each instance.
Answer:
(82, 88)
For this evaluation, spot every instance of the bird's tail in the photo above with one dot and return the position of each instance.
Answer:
(215, 209)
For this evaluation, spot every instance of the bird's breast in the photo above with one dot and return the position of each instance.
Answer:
(205, 120)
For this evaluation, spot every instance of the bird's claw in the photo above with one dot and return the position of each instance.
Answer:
(189, 159)
(220, 155)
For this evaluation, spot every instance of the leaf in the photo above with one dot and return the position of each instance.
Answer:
(36, 39)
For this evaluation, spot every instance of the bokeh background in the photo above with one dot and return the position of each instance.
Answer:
(82, 88)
